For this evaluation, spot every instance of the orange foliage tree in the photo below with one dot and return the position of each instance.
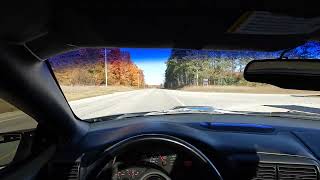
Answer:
(87, 67)
(122, 71)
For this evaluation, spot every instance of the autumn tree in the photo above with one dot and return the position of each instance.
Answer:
(87, 67)
(122, 71)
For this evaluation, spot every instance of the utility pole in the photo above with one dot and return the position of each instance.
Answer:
(106, 66)
(197, 76)
(138, 80)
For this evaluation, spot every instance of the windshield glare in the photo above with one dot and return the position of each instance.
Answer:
(100, 82)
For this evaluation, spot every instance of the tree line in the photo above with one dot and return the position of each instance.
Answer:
(87, 66)
(192, 67)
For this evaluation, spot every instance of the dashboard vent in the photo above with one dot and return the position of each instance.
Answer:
(294, 172)
(266, 171)
(66, 170)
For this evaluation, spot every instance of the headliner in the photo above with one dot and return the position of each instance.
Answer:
(47, 28)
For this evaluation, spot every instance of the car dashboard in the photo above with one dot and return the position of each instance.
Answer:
(238, 146)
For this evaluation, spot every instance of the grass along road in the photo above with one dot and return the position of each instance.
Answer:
(80, 92)
(267, 89)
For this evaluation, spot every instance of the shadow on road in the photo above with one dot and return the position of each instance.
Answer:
(307, 95)
(297, 108)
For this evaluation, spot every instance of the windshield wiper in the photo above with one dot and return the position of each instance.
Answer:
(209, 110)
(118, 116)
(193, 109)
(175, 110)
(289, 114)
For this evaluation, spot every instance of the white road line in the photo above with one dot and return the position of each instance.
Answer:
(8, 119)
(176, 98)
(5, 156)
(179, 101)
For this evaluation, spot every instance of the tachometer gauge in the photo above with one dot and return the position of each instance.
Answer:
(164, 161)
(130, 173)
(154, 159)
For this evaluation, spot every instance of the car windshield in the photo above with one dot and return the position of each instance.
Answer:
(100, 82)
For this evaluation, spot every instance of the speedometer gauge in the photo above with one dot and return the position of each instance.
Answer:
(165, 161)
(130, 173)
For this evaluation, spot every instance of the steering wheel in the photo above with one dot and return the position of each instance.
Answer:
(155, 157)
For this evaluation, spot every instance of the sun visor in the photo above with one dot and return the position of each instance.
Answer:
(267, 23)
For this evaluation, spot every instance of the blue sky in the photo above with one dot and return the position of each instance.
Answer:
(151, 61)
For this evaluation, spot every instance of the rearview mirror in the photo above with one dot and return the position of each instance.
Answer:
(301, 74)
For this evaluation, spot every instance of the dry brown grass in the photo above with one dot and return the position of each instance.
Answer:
(75, 93)
(80, 92)
(6, 107)
(247, 89)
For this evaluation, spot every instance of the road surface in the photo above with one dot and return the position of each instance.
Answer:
(161, 99)
(14, 121)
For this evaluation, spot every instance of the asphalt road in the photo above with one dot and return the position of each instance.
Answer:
(161, 99)
(14, 121)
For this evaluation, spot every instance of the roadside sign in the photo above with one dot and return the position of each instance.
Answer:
(205, 82)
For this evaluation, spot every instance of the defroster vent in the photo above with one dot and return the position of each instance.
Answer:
(271, 171)
(297, 172)
(266, 171)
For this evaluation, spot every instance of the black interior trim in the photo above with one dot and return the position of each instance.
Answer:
(41, 98)
(30, 170)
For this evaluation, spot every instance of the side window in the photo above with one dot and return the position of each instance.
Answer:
(13, 123)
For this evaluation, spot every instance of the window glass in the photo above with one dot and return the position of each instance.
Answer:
(11, 121)
(99, 82)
